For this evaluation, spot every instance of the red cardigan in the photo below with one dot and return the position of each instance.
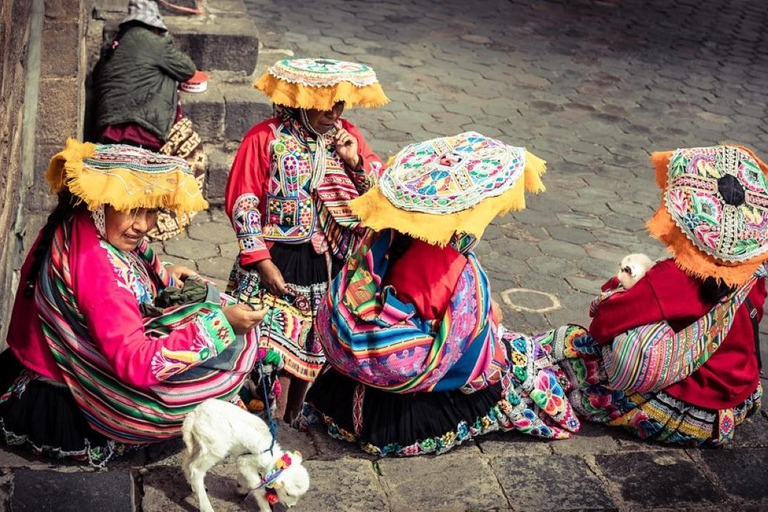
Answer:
(667, 293)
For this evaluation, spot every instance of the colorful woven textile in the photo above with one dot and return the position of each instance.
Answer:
(373, 337)
(183, 142)
(125, 177)
(652, 357)
(188, 377)
(439, 188)
(321, 83)
(714, 210)
(650, 415)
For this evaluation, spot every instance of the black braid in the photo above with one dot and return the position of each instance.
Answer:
(62, 211)
(712, 291)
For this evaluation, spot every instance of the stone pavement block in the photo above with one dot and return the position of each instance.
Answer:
(217, 268)
(20, 458)
(551, 266)
(750, 481)
(590, 440)
(506, 444)
(557, 482)
(211, 232)
(39, 491)
(653, 479)
(222, 43)
(347, 484)
(560, 249)
(471, 481)
(190, 249)
(166, 490)
(219, 164)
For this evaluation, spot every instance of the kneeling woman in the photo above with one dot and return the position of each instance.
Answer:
(675, 358)
(101, 355)
(418, 361)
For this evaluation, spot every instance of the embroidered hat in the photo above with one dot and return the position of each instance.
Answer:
(146, 12)
(713, 215)
(450, 186)
(321, 83)
(125, 177)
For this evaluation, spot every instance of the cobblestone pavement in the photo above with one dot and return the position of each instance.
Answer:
(592, 86)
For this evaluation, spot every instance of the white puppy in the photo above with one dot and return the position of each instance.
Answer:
(216, 429)
(632, 269)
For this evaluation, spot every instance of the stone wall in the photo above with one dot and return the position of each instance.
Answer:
(42, 86)
(14, 42)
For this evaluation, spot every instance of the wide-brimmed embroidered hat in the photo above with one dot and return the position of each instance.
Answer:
(146, 12)
(125, 177)
(321, 83)
(713, 215)
(450, 187)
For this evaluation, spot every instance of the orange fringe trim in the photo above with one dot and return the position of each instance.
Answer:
(320, 98)
(688, 257)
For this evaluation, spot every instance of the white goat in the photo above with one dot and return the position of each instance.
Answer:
(216, 429)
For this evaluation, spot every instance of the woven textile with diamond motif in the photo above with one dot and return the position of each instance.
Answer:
(321, 83)
(714, 211)
(436, 189)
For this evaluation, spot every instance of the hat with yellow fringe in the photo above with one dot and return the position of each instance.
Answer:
(713, 215)
(125, 177)
(450, 187)
(320, 84)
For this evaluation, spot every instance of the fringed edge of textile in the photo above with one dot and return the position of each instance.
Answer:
(122, 188)
(377, 212)
(320, 98)
(687, 256)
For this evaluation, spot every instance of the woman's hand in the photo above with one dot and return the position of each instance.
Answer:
(271, 278)
(179, 273)
(347, 148)
(496, 312)
(243, 317)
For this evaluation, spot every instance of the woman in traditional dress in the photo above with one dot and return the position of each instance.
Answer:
(675, 358)
(418, 361)
(135, 85)
(108, 348)
(287, 198)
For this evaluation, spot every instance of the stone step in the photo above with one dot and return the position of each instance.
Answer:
(224, 38)
(220, 158)
(226, 111)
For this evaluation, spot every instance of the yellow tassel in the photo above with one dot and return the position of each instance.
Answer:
(122, 188)
(320, 98)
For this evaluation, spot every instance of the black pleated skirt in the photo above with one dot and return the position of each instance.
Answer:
(400, 423)
(45, 417)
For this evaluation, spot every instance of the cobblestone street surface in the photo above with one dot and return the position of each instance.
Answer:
(591, 86)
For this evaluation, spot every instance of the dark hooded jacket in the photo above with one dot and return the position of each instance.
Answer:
(136, 81)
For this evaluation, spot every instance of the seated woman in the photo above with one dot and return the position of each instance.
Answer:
(97, 361)
(418, 361)
(136, 94)
(674, 358)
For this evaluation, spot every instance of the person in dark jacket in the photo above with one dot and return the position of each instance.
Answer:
(136, 80)
(137, 100)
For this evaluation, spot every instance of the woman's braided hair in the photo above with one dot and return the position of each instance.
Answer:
(66, 207)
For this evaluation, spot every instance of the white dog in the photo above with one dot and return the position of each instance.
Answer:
(632, 268)
(216, 429)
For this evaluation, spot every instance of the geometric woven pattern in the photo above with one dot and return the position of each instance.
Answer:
(451, 174)
(718, 197)
(323, 72)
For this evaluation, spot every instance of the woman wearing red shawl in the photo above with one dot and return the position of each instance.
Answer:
(287, 198)
(417, 359)
(674, 358)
